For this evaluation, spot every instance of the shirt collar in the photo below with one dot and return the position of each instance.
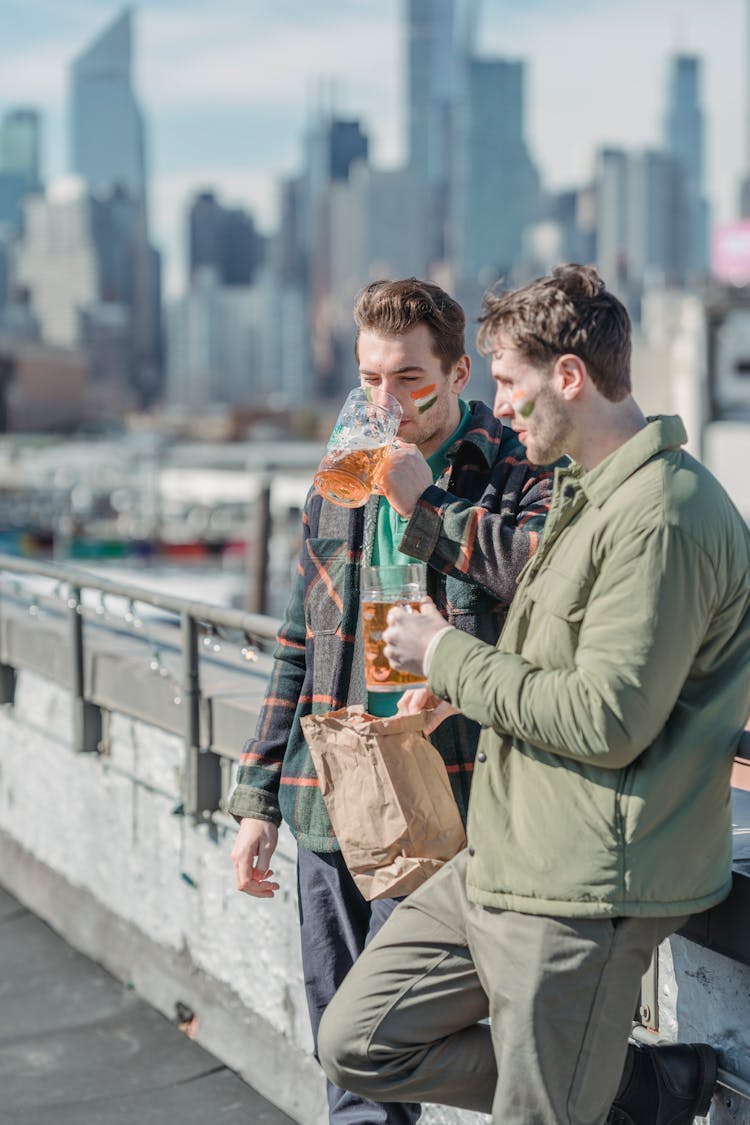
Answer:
(661, 432)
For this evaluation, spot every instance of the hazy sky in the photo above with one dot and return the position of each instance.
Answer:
(227, 85)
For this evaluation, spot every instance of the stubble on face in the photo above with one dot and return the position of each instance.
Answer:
(549, 426)
(540, 417)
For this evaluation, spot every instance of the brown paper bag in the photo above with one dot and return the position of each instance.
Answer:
(387, 792)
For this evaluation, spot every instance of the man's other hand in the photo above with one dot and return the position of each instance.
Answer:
(436, 710)
(255, 844)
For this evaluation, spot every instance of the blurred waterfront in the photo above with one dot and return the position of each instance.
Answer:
(182, 517)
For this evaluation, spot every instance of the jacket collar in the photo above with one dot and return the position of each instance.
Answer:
(485, 433)
(662, 432)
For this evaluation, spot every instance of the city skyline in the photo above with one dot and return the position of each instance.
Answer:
(227, 89)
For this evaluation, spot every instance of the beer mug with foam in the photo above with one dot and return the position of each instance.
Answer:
(356, 449)
(381, 588)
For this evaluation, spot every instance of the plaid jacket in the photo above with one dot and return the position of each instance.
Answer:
(475, 529)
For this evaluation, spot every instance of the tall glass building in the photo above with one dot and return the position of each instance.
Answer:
(107, 153)
(106, 123)
(497, 185)
(684, 142)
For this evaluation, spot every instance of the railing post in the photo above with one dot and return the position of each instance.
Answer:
(87, 718)
(257, 560)
(202, 769)
(7, 683)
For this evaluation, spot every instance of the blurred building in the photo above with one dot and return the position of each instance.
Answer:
(496, 188)
(684, 142)
(565, 231)
(42, 387)
(377, 230)
(19, 162)
(431, 80)
(106, 122)
(224, 238)
(654, 223)
(224, 345)
(57, 261)
(107, 152)
(611, 188)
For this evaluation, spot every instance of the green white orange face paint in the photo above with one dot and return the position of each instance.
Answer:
(522, 404)
(425, 397)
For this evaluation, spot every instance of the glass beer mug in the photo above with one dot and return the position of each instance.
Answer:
(356, 449)
(381, 588)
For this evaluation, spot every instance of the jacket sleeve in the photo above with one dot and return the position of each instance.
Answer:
(486, 545)
(259, 772)
(637, 642)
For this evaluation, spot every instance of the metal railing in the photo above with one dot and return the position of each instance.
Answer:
(203, 771)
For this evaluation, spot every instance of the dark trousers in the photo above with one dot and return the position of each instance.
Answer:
(336, 923)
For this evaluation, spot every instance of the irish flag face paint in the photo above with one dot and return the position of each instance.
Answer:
(425, 397)
(522, 404)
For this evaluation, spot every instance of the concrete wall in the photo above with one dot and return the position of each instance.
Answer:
(94, 844)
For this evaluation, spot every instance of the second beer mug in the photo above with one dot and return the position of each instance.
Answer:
(381, 588)
(357, 447)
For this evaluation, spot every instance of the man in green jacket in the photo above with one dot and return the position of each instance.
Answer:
(599, 816)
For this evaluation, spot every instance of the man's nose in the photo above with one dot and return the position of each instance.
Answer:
(502, 407)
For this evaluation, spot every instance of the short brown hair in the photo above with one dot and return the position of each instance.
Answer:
(570, 311)
(392, 307)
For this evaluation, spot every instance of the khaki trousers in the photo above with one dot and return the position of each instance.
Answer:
(559, 992)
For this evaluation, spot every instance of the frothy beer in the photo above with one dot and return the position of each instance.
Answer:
(347, 475)
(379, 676)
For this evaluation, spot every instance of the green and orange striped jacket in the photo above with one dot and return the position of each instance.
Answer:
(475, 529)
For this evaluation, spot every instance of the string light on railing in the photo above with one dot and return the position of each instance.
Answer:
(247, 652)
(211, 640)
(34, 608)
(157, 665)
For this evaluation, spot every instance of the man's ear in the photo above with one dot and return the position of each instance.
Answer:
(461, 373)
(571, 374)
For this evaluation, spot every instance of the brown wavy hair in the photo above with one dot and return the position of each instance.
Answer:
(569, 312)
(390, 308)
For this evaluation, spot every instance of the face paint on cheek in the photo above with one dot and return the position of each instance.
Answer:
(522, 404)
(424, 398)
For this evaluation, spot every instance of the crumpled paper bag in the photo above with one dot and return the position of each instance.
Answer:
(387, 792)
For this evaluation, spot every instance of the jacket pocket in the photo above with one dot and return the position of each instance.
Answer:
(326, 569)
(556, 608)
(560, 595)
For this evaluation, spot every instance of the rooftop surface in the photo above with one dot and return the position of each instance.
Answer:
(77, 1047)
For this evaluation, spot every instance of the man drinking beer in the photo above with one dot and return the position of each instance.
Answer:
(459, 495)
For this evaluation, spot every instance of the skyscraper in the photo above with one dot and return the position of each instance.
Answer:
(655, 238)
(611, 180)
(685, 144)
(19, 162)
(496, 190)
(431, 84)
(19, 144)
(224, 238)
(106, 123)
(108, 154)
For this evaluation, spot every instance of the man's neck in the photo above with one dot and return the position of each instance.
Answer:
(611, 424)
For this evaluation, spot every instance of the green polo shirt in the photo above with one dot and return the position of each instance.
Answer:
(389, 532)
